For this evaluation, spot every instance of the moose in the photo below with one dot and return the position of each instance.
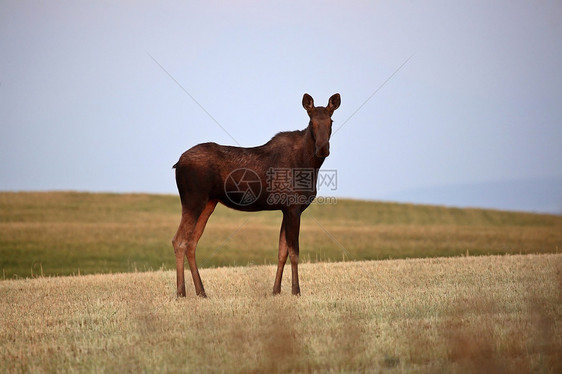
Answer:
(245, 179)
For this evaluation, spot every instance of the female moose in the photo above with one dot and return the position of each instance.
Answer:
(241, 178)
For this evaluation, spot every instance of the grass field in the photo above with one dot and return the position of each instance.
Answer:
(487, 314)
(62, 233)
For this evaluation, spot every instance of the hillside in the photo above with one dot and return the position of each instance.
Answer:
(469, 314)
(62, 233)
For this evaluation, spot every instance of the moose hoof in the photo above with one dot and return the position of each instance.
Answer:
(180, 293)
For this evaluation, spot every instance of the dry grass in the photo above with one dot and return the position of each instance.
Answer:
(470, 314)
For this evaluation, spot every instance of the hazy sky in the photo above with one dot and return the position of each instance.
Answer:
(85, 103)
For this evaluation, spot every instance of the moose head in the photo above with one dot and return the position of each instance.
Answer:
(321, 122)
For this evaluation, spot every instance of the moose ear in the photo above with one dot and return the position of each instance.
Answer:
(307, 102)
(334, 102)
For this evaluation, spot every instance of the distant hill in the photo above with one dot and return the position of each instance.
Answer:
(540, 195)
(62, 233)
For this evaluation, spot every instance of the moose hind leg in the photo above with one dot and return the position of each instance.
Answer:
(180, 243)
(192, 245)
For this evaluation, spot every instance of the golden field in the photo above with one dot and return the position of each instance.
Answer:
(452, 315)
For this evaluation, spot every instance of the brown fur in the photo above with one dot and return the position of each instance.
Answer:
(202, 177)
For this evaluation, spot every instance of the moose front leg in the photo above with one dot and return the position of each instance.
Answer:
(292, 220)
